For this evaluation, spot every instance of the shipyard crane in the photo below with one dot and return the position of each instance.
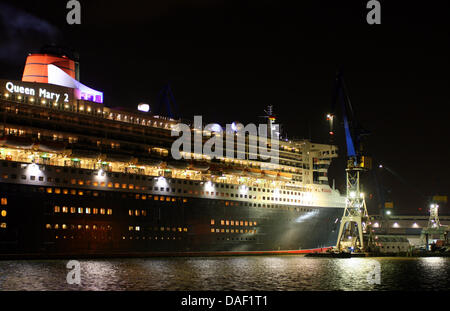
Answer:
(354, 221)
(167, 100)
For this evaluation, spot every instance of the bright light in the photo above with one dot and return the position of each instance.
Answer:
(243, 190)
(352, 194)
(376, 225)
(33, 169)
(380, 166)
(432, 205)
(388, 212)
(415, 225)
(209, 186)
(396, 225)
(144, 107)
(361, 195)
(100, 175)
(161, 182)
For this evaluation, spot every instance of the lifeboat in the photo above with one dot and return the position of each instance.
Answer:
(50, 146)
(12, 141)
(118, 158)
(284, 176)
(149, 162)
(80, 153)
(233, 170)
(180, 165)
(199, 166)
(254, 172)
(270, 173)
(270, 176)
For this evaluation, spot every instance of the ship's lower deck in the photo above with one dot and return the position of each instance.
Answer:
(45, 220)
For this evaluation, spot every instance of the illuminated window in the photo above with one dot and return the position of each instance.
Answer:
(110, 184)
(64, 226)
(80, 210)
(136, 212)
(88, 210)
(3, 213)
(212, 221)
(232, 222)
(73, 210)
(56, 209)
(109, 212)
(3, 225)
(246, 223)
(241, 223)
(65, 209)
(138, 228)
(73, 192)
(222, 222)
(102, 211)
(95, 211)
(48, 226)
(65, 191)
(80, 193)
(227, 222)
(57, 190)
(49, 190)
(130, 212)
(144, 213)
(56, 226)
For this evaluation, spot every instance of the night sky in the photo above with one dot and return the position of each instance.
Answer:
(228, 60)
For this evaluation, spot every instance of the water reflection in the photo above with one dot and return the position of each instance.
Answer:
(284, 273)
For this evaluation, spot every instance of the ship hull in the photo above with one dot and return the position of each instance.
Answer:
(195, 226)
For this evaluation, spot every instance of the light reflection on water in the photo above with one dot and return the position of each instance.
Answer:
(280, 273)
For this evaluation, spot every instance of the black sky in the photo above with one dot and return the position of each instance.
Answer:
(228, 60)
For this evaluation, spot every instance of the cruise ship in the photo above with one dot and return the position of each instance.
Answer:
(79, 178)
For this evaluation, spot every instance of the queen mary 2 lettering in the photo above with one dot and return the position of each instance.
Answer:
(81, 178)
(42, 92)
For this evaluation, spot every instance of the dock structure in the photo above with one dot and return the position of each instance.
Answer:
(410, 226)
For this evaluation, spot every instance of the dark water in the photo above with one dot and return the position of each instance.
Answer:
(279, 273)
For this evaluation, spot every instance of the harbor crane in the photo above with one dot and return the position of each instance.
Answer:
(434, 228)
(354, 222)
